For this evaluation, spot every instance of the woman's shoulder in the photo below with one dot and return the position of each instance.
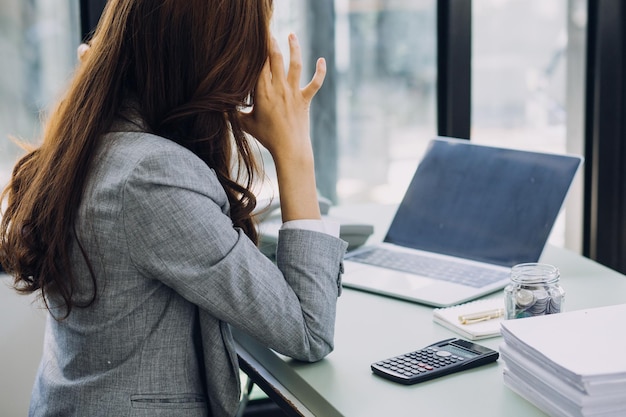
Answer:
(142, 144)
(127, 157)
(136, 149)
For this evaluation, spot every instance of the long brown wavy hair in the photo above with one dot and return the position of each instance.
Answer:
(189, 66)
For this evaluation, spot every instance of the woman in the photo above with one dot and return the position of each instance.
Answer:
(133, 219)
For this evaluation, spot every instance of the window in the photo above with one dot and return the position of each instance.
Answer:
(380, 98)
(385, 74)
(527, 78)
(38, 43)
(528, 84)
(386, 64)
(519, 65)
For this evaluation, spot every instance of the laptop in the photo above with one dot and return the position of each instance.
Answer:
(470, 213)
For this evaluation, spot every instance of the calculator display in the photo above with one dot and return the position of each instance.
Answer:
(460, 352)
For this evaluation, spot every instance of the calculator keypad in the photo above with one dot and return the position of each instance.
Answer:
(442, 358)
(419, 362)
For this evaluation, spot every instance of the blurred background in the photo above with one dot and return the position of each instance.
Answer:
(379, 105)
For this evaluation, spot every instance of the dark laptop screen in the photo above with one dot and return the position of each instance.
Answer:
(483, 203)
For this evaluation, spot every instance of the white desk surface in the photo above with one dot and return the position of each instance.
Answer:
(372, 327)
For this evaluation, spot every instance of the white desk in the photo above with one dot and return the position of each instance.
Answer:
(371, 327)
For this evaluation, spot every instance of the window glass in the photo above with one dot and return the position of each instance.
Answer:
(385, 88)
(519, 69)
(386, 61)
(38, 43)
(528, 84)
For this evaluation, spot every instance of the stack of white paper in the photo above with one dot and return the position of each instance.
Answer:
(569, 364)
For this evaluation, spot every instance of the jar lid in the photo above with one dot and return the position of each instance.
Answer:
(534, 273)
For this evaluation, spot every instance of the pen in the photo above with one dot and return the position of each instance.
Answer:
(481, 316)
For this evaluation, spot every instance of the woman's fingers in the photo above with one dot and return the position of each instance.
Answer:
(277, 64)
(295, 71)
(316, 82)
(295, 62)
(279, 118)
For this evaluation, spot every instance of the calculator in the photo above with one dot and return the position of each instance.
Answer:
(439, 359)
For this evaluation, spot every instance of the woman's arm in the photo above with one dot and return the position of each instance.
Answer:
(280, 122)
(178, 232)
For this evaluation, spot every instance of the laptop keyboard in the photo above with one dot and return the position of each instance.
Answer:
(442, 269)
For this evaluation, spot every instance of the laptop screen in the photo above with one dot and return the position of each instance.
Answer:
(483, 203)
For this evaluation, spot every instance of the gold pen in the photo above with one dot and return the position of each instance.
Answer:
(481, 316)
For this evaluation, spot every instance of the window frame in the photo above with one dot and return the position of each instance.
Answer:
(605, 135)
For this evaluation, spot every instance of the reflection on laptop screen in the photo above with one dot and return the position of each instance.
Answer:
(483, 203)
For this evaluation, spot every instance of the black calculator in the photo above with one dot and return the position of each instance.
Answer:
(439, 359)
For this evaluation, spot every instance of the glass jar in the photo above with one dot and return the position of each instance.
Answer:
(534, 290)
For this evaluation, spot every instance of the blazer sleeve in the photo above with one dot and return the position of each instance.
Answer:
(178, 232)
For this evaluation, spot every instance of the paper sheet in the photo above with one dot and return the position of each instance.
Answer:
(449, 317)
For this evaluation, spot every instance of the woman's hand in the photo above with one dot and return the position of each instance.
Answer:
(279, 120)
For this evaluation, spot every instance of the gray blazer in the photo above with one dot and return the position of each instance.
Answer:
(172, 275)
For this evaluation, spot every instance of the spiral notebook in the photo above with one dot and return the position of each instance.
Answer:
(449, 317)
